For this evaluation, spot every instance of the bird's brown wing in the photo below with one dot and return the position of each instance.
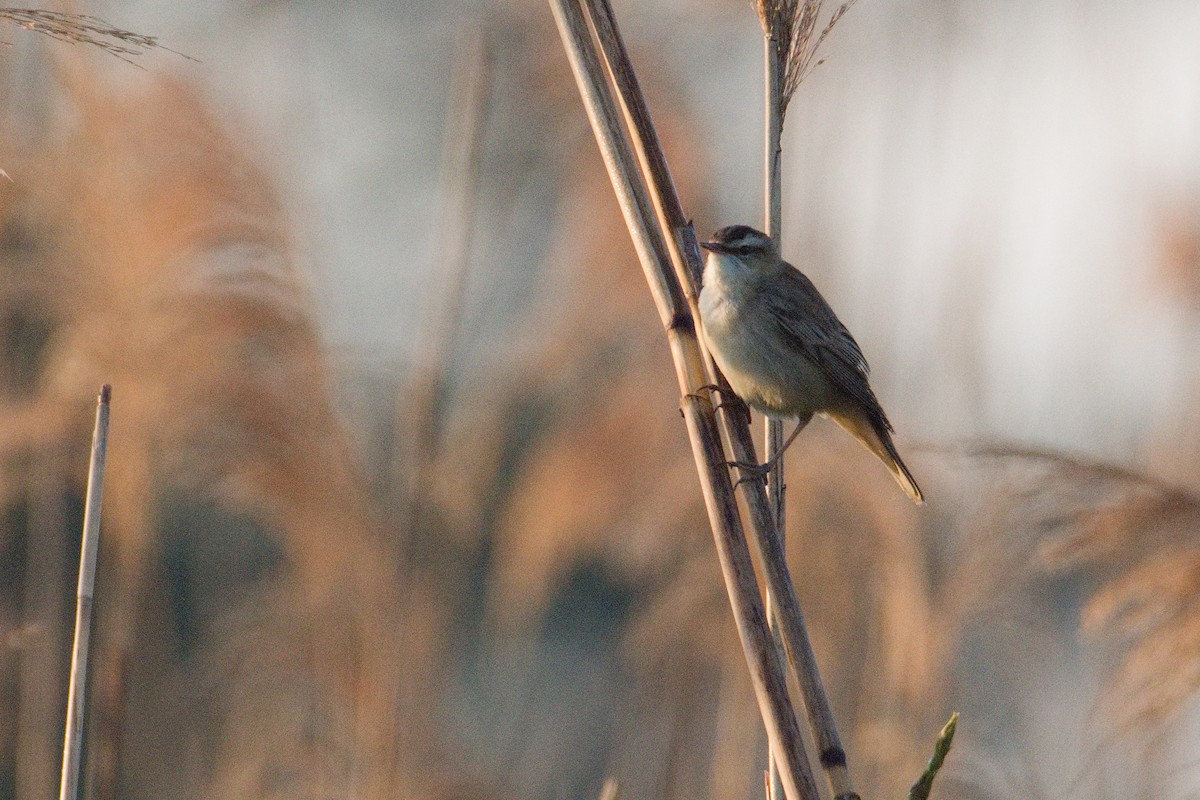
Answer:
(807, 321)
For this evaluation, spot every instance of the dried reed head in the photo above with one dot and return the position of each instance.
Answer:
(792, 26)
(1067, 603)
(81, 29)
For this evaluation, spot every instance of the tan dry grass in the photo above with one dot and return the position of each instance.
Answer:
(172, 278)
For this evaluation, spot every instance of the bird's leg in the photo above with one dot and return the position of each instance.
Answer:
(761, 470)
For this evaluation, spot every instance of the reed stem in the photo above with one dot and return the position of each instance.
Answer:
(786, 27)
(77, 687)
(652, 239)
(773, 210)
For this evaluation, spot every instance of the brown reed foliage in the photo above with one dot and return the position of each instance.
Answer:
(163, 263)
(1140, 538)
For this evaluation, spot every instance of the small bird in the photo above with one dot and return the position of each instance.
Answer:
(783, 349)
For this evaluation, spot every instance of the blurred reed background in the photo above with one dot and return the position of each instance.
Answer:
(384, 521)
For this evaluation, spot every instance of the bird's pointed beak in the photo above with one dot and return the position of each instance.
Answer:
(715, 247)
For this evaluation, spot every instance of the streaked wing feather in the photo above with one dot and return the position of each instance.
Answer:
(809, 323)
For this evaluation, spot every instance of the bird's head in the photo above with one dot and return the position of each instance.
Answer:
(752, 247)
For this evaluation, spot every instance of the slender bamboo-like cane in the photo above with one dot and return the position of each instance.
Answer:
(73, 738)
(766, 674)
(772, 212)
(680, 239)
(686, 261)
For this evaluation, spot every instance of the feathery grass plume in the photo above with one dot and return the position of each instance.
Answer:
(83, 29)
(1133, 540)
(1144, 537)
(229, 467)
(792, 24)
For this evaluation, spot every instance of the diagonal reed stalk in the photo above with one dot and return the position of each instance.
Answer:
(667, 278)
(686, 261)
(660, 230)
(73, 737)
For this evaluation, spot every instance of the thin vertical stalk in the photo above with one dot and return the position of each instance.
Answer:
(421, 406)
(766, 675)
(788, 49)
(73, 737)
(772, 211)
(773, 149)
(686, 261)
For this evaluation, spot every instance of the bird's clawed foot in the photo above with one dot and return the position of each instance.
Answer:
(729, 398)
(753, 472)
(761, 471)
(705, 392)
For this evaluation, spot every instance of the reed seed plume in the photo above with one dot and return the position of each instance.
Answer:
(1132, 539)
(83, 29)
(164, 260)
(792, 24)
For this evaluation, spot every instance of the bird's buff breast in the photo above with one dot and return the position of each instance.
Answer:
(761, 367)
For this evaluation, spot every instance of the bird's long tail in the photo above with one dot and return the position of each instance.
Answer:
(879, 442)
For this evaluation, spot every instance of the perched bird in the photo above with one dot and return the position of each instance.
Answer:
(783, 349)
